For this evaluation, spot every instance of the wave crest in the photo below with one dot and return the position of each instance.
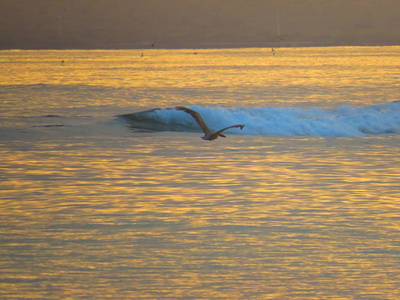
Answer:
(345, 121)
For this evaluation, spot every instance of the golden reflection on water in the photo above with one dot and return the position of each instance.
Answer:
(170, 216)
(294, 218)
(253, 73)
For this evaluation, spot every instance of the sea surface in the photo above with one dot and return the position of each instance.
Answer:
(108, 192)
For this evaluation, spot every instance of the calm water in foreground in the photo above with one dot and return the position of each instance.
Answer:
(301, 204)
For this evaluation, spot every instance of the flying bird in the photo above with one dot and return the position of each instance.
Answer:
(208, 133)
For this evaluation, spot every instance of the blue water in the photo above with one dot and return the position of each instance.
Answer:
(108, 192)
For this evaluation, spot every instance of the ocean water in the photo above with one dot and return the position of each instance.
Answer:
(108, 192)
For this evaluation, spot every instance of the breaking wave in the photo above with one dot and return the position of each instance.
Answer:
(345, 121)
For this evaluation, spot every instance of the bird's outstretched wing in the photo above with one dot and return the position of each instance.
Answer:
(237, 125)
(197, 117)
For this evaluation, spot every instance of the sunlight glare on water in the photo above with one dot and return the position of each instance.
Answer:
(94, 209)
(231, 222)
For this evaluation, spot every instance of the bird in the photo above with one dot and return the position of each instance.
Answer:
(208, 133)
